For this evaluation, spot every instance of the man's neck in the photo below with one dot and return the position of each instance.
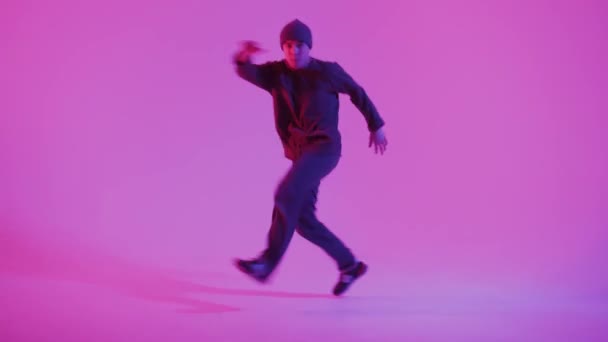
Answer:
(303, 66)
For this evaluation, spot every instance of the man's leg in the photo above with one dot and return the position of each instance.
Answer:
(316, 232)
(305, 174)
(313, 230)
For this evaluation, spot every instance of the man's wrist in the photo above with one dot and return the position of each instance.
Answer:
(376, 129)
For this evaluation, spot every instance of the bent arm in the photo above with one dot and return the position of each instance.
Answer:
(257, 74)
(347, 85)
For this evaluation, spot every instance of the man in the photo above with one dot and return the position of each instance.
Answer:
(305, 94)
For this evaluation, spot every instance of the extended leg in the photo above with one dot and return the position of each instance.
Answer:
(317, 233)
(291, 194)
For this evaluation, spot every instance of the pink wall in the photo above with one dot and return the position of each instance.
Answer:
(124, 127)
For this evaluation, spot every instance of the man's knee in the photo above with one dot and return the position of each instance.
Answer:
(285, 193)
(304, 229)
(308, 220)
(289, 200)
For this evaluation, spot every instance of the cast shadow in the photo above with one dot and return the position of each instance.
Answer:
(27, 256)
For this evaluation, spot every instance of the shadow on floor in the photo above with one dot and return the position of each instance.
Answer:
(27, 256)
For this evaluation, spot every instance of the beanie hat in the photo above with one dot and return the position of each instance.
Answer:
(296, 30)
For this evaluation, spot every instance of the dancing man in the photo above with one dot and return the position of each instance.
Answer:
(305, 92)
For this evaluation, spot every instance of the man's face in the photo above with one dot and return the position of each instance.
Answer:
(297, 54)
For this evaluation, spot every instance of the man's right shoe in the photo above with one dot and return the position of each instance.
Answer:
(348, 277)
(255, 269)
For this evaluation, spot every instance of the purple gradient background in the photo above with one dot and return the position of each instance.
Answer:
(125, 134)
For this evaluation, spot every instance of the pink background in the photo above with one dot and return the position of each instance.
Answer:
(125, 134)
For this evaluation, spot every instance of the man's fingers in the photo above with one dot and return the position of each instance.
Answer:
(249, 43)
(378, 139)
(379, 143)
(251, 46)
(382, 147)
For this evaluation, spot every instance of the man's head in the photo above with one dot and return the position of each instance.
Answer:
(296, 42)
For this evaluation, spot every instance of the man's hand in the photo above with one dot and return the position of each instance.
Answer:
(378, 139)
(248, 48)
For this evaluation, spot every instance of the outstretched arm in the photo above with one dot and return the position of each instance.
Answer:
(259, 75)
(375, 124)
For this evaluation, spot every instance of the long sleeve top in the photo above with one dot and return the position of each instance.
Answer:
(306, 102)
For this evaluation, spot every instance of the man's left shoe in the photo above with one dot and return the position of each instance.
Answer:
(347, 278)
(256, 269)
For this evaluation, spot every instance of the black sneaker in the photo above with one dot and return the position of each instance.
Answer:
(347, 278)
(256, 269)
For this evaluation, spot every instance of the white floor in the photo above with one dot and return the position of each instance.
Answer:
(134, 305)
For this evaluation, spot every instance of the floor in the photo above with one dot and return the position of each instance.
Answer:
(77, 303)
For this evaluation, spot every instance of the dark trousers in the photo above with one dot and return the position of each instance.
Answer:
(295, 211)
